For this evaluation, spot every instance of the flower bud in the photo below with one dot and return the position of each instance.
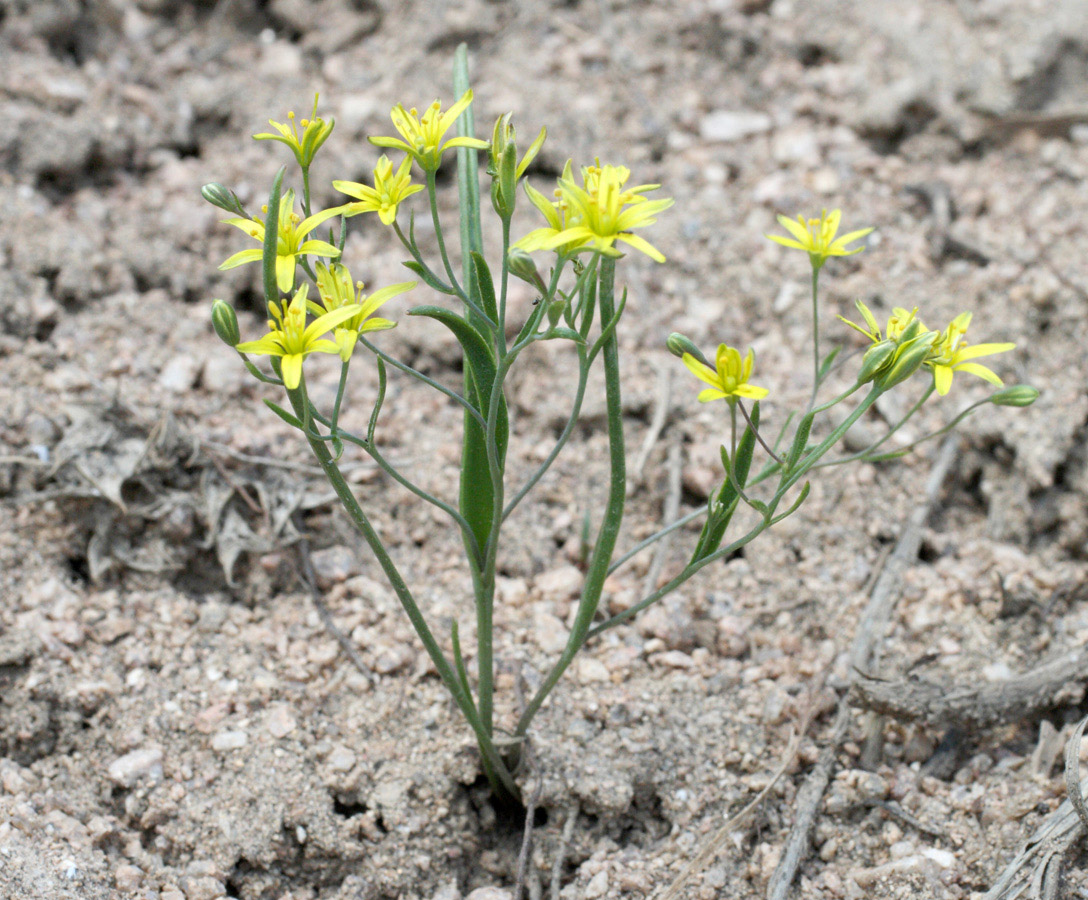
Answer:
(908, 359)
(223, 197)
(1017, 395)
(521, 264)
(679, 345)
(875, 359)
(555, 310)
(225, 323)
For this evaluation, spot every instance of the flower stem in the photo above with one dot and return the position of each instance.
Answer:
(613, 514)
(815, 336)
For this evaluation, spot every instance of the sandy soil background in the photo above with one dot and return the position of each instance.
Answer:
(176, 723)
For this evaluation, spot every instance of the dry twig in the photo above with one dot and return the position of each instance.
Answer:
(871, 628)
(657, 423)
(561, 850)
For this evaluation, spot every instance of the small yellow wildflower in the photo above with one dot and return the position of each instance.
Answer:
(315, 132)
(597, 214)
(817, 237)
(290, 338)
(952, 354)
(422, 135)
(388, 191)
(898, 322)
(729, 379)
(290, 240)
(337, 292)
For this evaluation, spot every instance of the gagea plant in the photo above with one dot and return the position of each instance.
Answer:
(592, 218)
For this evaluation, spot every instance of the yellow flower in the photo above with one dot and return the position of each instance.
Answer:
(290, 240)
(290, 338)
(597, 214)
(388, 191)
(729, 379)
(898, 323)
(315, 132)
(817, 237)
(422, 135)
(338, 292)
(899, 352)
(952, 354)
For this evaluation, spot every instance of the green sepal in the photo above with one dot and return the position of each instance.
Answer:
(720, 507)
(291, 420)
(891, 454)
(271, 238)
(800, 441)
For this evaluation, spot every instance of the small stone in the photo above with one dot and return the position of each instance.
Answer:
(334, 565)
(998, 671)
(230, 739)
(942, 858)
(280, 722)
(205, 888)
(449, 891)
(731, 125)
(597, 887)
(673, 659)
(560, 583)
(130, 768)
(127, 878)
(489, 893)
(171, 894)
(592, 670)
(549, 633)
(341, 759)
(179, 374)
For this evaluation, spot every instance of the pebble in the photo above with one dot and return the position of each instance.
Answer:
(560, 583)
(592, 670)
(179, 374)
(731, 125)
(341, 759)
(489, 893)
(130, 768)
(280, 722)
(230, 739)
(171, 894)
(597, 887)
(449, 891)
(334, 565)
(206, 888)
(127, 878)
(549, 633)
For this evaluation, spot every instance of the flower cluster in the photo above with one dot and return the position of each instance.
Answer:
(595, 214)
(817, 237)
(906, 345)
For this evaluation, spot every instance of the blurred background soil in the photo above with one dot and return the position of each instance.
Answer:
(176, 723)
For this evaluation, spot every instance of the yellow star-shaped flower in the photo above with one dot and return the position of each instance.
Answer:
(291, 339)
(817, 237)
(729, 379)
(315, 132)
(422, 135)
(291, 240)
(389, 190)
(952, 354)
(337, 291)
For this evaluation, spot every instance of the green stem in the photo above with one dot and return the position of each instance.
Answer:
(862, 454)
(494, 764)
(815, 336)
(613, 513)
(432, 194)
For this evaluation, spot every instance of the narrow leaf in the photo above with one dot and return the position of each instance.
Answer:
(291, 420)
(485, 286)
(800, 440)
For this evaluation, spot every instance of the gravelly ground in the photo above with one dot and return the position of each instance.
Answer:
(167, 734)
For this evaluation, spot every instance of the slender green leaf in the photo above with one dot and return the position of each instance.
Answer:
(825, 366)
(378, 401)
(425, 273)
(468, 174)
(720, 507)
(800, 440)
(485, 286)
(291, 420)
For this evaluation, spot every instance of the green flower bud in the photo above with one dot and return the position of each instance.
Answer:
(908, 359)
(875, 359)
(555, 310)
(678, 345)
(223, 197)
(521, 264)
(225, 323)
(1017, 395)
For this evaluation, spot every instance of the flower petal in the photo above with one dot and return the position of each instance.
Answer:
(705, 396)
(291, 367)
(702, 371)
(785, 242)
(796, 229)
(285, 274)
(942, 379)
(751, 391)
(241, 258)
(642, 244)
(974, 351)
(980, 371)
